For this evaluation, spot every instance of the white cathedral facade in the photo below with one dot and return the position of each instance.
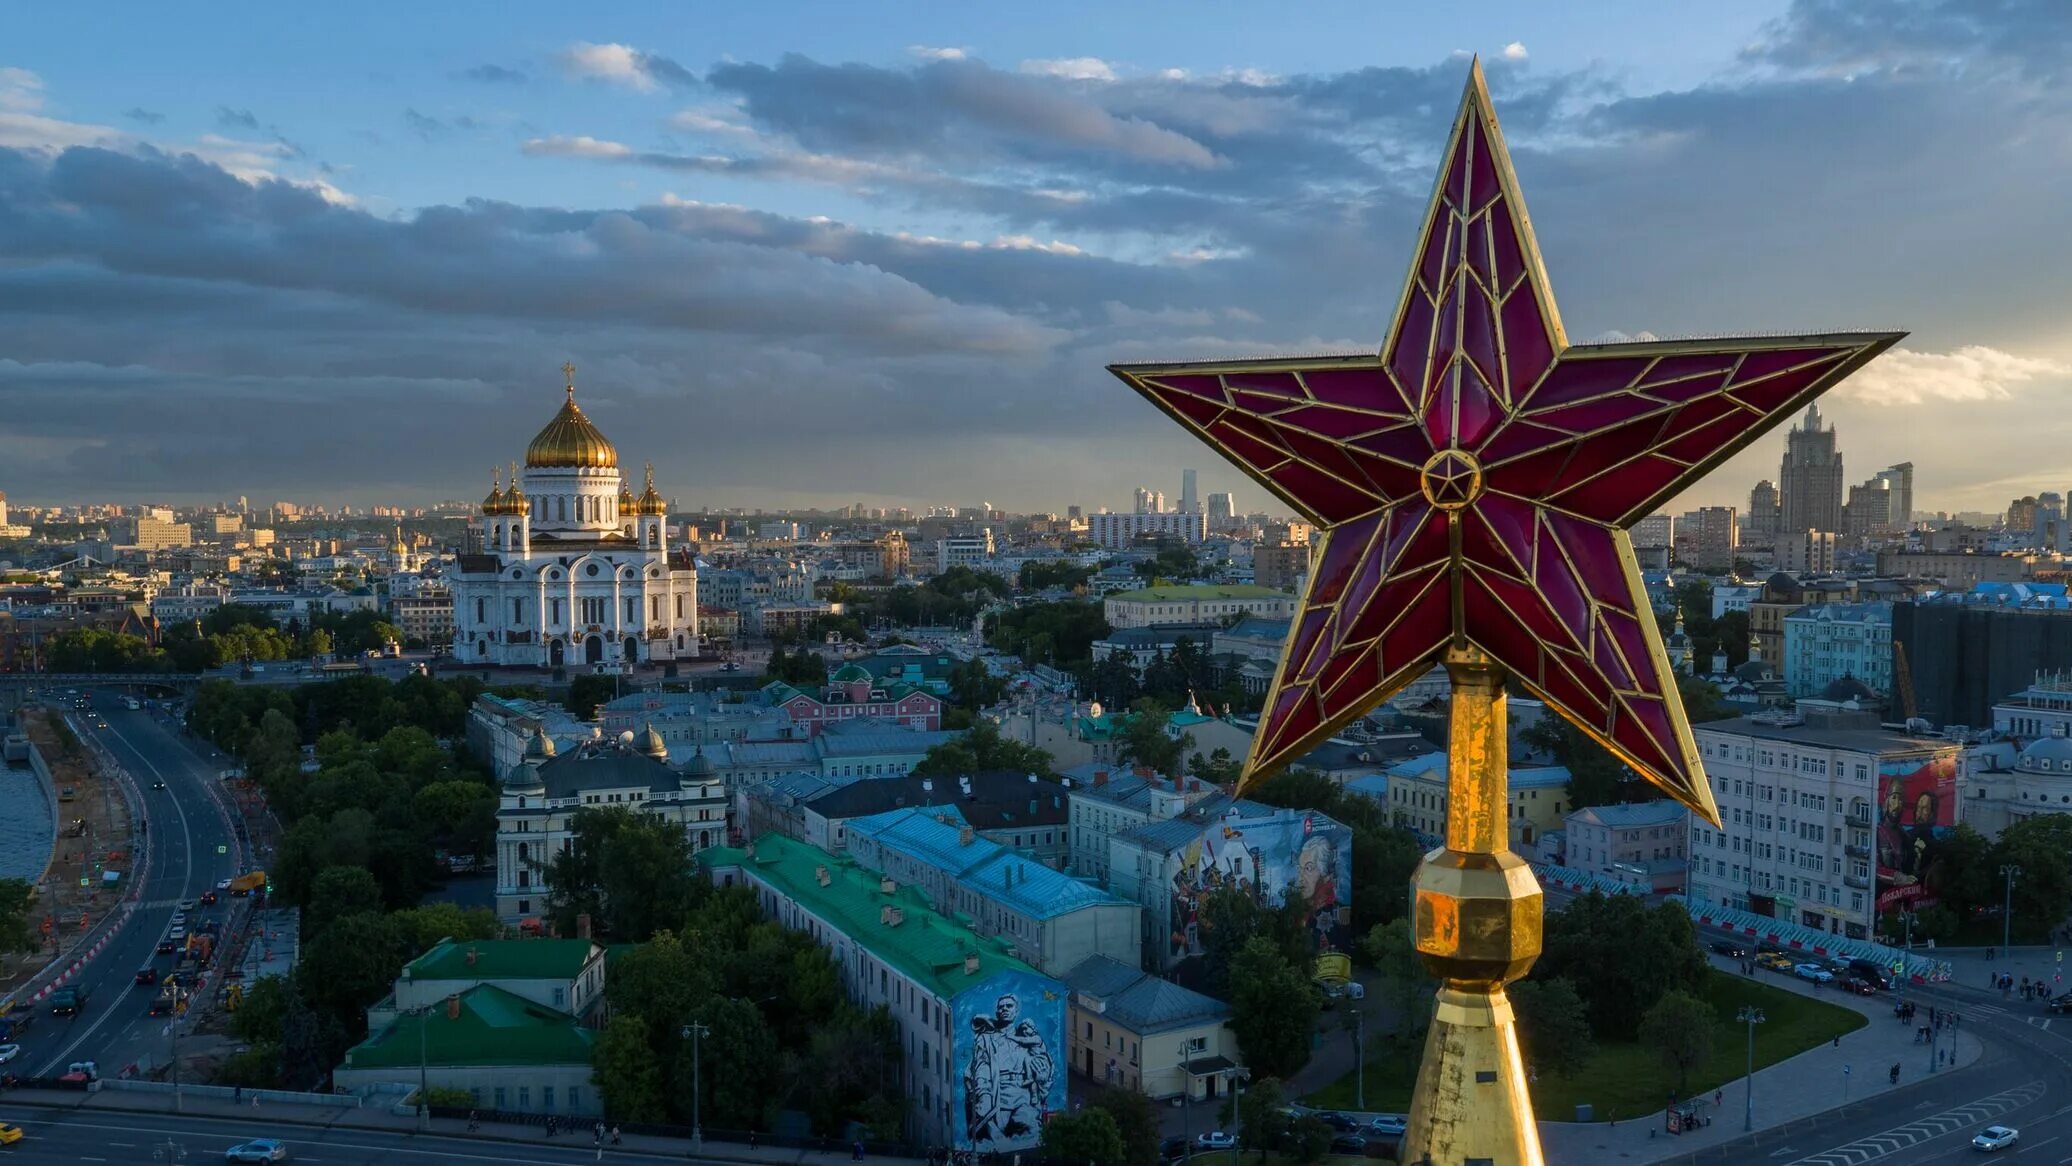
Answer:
(573, 569)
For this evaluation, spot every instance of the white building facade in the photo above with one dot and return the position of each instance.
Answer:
(573, 567)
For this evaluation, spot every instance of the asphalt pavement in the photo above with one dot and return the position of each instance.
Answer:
(192, 846)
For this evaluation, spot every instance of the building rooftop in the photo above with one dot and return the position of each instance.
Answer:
(1139, 1001)
(595, 767)
(1863, 740)
(923, 944)
(494, 1027)
(1656, 813)
(988, 868)
(502, 959)
(1181, 592)
(999, 799)
(1877, 611)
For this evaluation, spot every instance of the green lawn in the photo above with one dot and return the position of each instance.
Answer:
(1624, 1079)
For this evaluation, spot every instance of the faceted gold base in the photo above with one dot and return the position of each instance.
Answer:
(1471, 1105)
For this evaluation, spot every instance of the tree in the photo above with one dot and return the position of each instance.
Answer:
(351, 964)
(741, 1074)
(1595, 777)
(1087, 1136)
(632, 874)
(339, 891)
(2042, 846)
(16, 898)
(1274, 1009)
(260, 1013)
(1260, 1114)
(1136, 1119)
(1622, 956)
(628, 1078)
(1963, 874)
(1390, 949)
(1702, 702)
(1309, 1139)
(1146, 740)
(432, 922)
(586, 692)
(1679, 1027)
(983, 749)
(1553, 1026)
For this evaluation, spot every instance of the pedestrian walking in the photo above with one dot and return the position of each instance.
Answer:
(856, 1151)
(615, 1135)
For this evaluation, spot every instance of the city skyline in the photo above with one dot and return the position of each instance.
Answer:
(887, 260)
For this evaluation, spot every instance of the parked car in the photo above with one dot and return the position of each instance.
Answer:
(1352, 1144)
(1776, 961)
(1996, 1138)
(1870, 970)
(1729, 949)
(1388, 1125)
(1813, 972)
(9, 1053)
(1857, 984)
(182, 907)
(2061, 1005)
(1172, 1149)
(258, 1150)
(1214, 1140)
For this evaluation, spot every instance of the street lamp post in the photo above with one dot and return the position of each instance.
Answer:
(1751, 1016)
(1360, 1061)
(1906, 919)
(2010, 872)
(424, 1095)
(1186, 1095)
(694, 1030)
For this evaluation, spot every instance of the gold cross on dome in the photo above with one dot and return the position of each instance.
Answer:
(568, 369)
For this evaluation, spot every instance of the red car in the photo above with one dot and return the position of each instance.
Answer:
(147, 977)
(208, 898)
(1858, 985)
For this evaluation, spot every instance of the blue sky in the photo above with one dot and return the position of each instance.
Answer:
(813, 253)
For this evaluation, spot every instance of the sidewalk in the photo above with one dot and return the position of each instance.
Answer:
(1811, 1083)
(269, 1120)
(1970, 969)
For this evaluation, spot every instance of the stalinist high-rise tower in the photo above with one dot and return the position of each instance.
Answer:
(1811, 478)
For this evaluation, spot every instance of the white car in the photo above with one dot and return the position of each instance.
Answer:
(1214, 1140)
(1388, 1125)
(9, 1053)
(1813, 972)
(223, 884)
(1995, 1138)
(183, 907)
(258, 1150)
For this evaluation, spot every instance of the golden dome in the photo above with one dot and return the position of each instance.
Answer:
(650, 501)
(494, 504)
(515, 501)
(570, 440)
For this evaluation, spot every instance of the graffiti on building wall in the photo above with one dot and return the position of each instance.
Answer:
(1306, 858)
(1917, 809)
(1010, 1055)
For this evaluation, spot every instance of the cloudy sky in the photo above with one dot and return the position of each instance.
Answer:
(816, 253)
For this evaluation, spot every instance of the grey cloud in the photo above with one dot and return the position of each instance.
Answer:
(139, 113)
(425, 126)
(493, 75)
(236, 119)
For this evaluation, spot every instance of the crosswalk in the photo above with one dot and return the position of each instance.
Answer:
(1913, 1133)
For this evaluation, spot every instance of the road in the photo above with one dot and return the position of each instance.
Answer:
(191, 847)
(118, 1136)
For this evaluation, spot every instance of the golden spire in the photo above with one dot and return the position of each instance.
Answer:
(494, 504)
(568, 370)
(650, 501)
(515, 501)
(569, 439)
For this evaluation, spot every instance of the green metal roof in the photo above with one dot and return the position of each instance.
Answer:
(502, 959)
(1188, 591)
(927, 946)
(494, 1027)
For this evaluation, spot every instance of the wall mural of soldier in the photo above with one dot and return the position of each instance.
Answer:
(1010, 1048)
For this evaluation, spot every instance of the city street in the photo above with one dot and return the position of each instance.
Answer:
(191, 846)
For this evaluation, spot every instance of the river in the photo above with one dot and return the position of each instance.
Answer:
(25, 824)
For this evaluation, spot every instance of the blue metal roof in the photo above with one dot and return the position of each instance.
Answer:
(1141, 1002)
(1656, 813)
(983, 865)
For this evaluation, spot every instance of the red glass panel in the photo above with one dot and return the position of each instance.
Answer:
(1425, 626)
(1360, 597)
(1478, 252)
(1609, 661)
(1482, 182)
(1330, 499)
(1610, 497)
(1457, 166)
(1510, 256)
(1595, 552)
(1342, 549)
(1590, 417)
(1628, 633)
(1565, 595)
(1593, 455)
(1294, 715)
(1516, 438)
(1416, 537)
(1478, 544)
(1570, 696)
(1254, 452)
(1761, 364)
(1336, 423)
(1413, 345)
(1273, 384)
(1365, 388)
(1526, 606)
(1671, 368)
(1445, 342)
(1528, 350)
(1708, 439)
(1651, 736)
(1408, 445)
(1354, 664)
(1688, 389)
(1391, 479)
(1511, 523)
(1478, 334)
(1306, 638)
(1328, 456)
(1260, 402)
(1435, 266)
(1579, 380)
(1200, 385)
(1533, 476)
(1776, 393)
(1438, 413)
(1201, 412)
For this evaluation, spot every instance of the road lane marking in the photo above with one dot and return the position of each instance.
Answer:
(1904, 1137)
(187, 844)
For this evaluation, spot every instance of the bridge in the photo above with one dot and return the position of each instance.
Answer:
(15, 682)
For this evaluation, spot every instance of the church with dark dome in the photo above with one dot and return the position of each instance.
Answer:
(570, 567)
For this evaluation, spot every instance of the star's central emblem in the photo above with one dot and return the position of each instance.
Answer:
(1450, 479)
(1473, 481)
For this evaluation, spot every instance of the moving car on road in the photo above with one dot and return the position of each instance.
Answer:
(9, 1053)
(1729, 949)
(258, 1150)
(1995, 1138)
(147, 977)
(1388, 1125)
(1814, 972)
(1214, 1140)
(1776, 961)
(9, 1135)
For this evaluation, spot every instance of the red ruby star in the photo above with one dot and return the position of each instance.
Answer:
(1473, 483)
